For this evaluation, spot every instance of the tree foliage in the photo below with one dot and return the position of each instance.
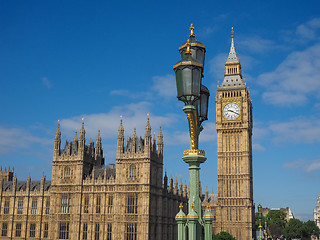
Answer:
(293, 229)
(223, 236)
(263, 219)
(297, 229)
(276, 217)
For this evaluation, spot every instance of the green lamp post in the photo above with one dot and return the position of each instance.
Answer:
(189, 73)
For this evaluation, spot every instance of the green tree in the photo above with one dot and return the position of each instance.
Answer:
(309, 228)
(276, 217)
(223, 236)
(276, 220)
(293, 229)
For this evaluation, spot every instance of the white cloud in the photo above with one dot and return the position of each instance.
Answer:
(46, 82)
(15, 139)
(165, 86)
(257, 44)
(304, 165)
(258, 147)
(294, 79)
(308, 31)
(134, 116)
(297, 130)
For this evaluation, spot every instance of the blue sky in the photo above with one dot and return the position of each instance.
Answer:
(64, 60)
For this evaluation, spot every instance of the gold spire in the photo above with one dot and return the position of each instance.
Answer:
(208, 206)
(188, 47)
(232, 32)
(191, 31)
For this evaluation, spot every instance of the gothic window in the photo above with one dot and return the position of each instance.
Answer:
(64, 230)
(32, 230)
(18, 229)
(132, 204)
(85, 231)
(34, 207)
(67, 173)
(109, 231)
(6, 206)
(48, 206)
(65, 204)
(4, 229)
(96, 231)
(86, 204)
(131, 231)
(98, 204)
(132, 172)
(46, 230)
(20, 206)
(110, 204)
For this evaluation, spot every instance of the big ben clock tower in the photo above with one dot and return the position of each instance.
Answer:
(235, 211)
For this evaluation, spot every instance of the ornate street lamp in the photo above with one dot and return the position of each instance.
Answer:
(260, 231)
(189, 73)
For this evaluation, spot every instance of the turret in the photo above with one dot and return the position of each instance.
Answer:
(75, 144)
(175, 191)
(28, 183)
(160, 143)
(185, 190)
(134, 140)
(120, 139)
(180, 188)
(147, 138)
(82, 139)
(170, 184)
(98, 151)
(165, 181)
(57, 142)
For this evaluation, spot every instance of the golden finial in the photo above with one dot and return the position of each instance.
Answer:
(148, 115)
(191, 31)
(208, 206)
(192, 205)
(82, 119)
(232, 32)
(188, 47)
(180, 206)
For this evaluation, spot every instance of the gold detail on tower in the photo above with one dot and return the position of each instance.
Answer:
(191, 31)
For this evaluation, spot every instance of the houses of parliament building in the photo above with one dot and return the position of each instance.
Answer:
(132, 200)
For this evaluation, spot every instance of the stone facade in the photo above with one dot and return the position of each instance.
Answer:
(234, 202)
(316, 212)
(86, 200)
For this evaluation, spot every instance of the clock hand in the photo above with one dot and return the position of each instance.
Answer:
(233, 111)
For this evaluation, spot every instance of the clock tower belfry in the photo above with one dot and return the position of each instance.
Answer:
(235, 211)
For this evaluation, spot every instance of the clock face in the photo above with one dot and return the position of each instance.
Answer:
(231, 111)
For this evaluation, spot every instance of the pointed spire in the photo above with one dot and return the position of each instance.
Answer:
(148, 127)
(175, 186)
(82, 131)
(232, 74)
(165, 180)
(185, 189)
(206, 196)
(58, 132)
(160, 142)
(75, 137)
(170, 184)
(180, 188)
(98, 140)
(120, 129)
(232, 58)
(120, 139)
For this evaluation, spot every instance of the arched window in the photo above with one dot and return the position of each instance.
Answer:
(133, 172)
(67, 173)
